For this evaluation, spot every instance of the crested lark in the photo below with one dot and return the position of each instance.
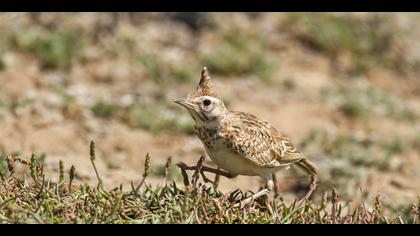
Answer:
(241, 143)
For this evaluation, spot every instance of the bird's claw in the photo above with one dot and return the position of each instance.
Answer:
(205, 179)
(184, 166)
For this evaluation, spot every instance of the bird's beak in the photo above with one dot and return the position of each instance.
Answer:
(185, 103)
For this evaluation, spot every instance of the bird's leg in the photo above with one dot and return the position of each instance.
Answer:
(219, 172)
(276, 190)
(252, 198)
(182, 165)
(216, 181)
(205, 179)
(199, 168)
(265, 191)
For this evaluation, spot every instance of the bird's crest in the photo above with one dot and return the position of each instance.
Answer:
(205, 87)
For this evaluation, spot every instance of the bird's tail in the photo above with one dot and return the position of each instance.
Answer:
(309, 167)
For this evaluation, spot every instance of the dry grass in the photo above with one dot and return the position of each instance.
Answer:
(40, 200)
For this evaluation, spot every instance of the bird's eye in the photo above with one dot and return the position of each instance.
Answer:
(206, 102)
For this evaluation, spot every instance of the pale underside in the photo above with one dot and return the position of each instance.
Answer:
(244, 144)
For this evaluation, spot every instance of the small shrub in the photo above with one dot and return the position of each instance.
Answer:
(368, 40)
(363, 100)
(151, 64)
(239, 54)
(54, 50)
(104, 109)
(349, 156)
(157, 118)
(2, 63)
(185, 73)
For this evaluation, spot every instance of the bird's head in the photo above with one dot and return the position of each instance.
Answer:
(203, 104)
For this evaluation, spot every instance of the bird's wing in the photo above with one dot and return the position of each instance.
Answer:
(259, 142)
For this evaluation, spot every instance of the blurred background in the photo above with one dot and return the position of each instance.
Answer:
(344, 87)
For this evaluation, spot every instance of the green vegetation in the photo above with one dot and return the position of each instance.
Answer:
(363, 100)
(367, 40)
(239, 54)
(3, 166)
(151, 64)
(14, 104)
(104, 109)
(184, 73)
(3, 46)
(54, 50)
(351, 155)
(159, 71)
(2, 63)
(166, 170)
(41, 200)
(67, 99)
(157, 117)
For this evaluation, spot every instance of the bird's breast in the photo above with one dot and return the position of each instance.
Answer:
(209, 137)
(223, 156)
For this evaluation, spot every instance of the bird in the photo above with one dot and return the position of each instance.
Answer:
(240, 143)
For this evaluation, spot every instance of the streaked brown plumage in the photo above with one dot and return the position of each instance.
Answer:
(239, 142)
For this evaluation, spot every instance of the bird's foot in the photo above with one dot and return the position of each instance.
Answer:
(249, 200)
(200, 169)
